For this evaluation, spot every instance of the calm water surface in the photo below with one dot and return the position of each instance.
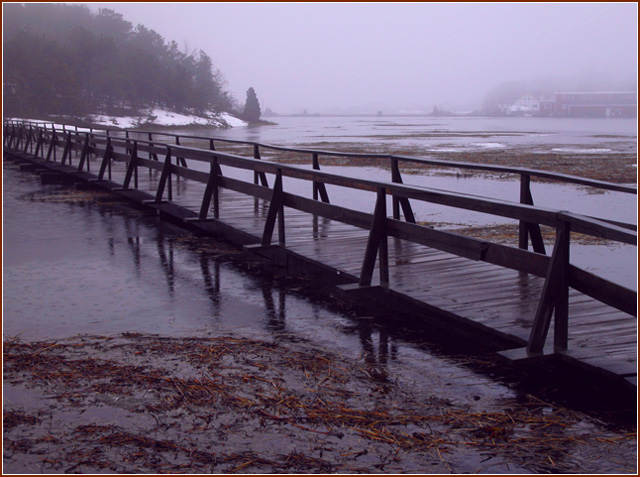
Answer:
(602, 136)
(85, 267)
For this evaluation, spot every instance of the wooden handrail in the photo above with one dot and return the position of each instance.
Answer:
(529, 213)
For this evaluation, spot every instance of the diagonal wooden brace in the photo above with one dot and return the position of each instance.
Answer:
(211, 191)
(276, 210)
(164, 176)
(554, 297)
(132, 167)
(106, 159)
(377, 244)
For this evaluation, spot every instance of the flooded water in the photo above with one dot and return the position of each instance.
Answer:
(84, 263)
(76, 264)
(456, 134)
(598, 137)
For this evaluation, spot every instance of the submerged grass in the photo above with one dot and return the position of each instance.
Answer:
(617, 167)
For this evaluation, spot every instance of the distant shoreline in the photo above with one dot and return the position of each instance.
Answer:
(413, 115)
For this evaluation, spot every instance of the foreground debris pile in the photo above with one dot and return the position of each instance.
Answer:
(142, 404)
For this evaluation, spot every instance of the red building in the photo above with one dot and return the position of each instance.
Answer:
(598, 104)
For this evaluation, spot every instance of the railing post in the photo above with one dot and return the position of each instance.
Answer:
(19, 138)
(180, 161)
(377, 244)
(67, 150)
(316, 166)
(554, 296)
(561, 317)
(259, 175)
(395, 177)
(319, 188)
(39, 144)
(400, 201)
(27, 142)
(152, 155)
(212, 147)
(528, 230)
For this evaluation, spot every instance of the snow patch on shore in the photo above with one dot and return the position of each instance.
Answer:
(162, 117)
(575, 150)
(488, 145)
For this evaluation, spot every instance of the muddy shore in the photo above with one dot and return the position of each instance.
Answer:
(137, 403)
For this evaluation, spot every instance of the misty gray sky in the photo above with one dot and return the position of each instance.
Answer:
(382, 56)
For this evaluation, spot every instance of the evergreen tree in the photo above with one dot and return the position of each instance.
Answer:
(64, 59)
(251, 106)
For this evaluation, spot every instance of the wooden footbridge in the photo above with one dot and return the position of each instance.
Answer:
(536, 308)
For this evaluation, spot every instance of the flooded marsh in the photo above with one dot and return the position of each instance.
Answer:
(134, 346)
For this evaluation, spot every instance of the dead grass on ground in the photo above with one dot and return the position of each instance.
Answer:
(226, 405)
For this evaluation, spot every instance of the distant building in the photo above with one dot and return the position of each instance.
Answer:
(602, 104)
(527, 105)
(576, 104)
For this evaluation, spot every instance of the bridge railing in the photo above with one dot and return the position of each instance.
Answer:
(170, 161)
(528, 232)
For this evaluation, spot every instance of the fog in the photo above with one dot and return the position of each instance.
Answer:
(398, 57)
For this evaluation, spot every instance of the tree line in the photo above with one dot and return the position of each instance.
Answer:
(65, 59)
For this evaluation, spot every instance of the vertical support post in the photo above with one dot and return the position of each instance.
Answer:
(528, 230)
(377, 244)
(19, 138)
(395, 177)
(151, 155)
(39, 144)
(180, 161)
(27, 142)
(523, 231)
(316, 166)
(281, 230)
(400, 201)
(554, 297)
(561, 317)
(259, 175)
(319, 188)
(216, 190)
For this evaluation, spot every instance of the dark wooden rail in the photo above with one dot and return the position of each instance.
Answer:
(152, 153)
